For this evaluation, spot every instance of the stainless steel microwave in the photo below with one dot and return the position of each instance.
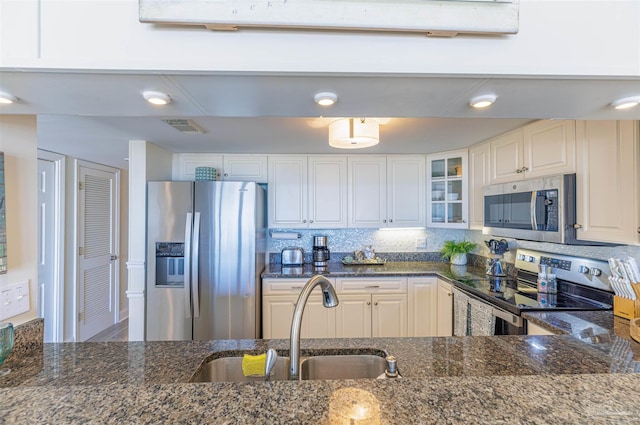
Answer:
(540, 209)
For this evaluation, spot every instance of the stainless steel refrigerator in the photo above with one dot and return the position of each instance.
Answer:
(205, 252)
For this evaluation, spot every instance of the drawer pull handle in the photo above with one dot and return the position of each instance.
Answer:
(372, 286)
(296, 287)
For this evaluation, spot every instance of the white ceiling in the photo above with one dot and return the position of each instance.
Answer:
(92, 116)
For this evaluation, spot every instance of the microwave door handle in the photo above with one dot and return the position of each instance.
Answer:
(187, 265)
(538, 209)
(534, 221)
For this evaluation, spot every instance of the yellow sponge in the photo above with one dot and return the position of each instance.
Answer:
(254, 365)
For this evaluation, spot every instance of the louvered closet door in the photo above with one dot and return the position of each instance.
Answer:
(97, 237)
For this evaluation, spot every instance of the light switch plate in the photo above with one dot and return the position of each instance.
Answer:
(14, 300)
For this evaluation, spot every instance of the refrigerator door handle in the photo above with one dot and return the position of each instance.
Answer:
(196, 251)
(187, 268)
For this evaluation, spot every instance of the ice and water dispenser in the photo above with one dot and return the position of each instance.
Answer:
(170, 264)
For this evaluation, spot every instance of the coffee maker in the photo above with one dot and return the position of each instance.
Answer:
(320, 251)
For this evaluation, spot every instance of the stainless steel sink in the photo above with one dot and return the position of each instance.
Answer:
(358, 366)
(342, 366)
(229, 369)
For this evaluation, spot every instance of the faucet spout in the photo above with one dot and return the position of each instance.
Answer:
(329, 300)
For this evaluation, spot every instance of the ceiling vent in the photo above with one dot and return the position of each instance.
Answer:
(185, 126)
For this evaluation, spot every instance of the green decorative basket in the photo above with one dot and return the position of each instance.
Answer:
(206, 173)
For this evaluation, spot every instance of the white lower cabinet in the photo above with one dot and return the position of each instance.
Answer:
(422, 306)
(445, 309)
(430, 307)
(371, 307)
(279, 299)
(368, 307)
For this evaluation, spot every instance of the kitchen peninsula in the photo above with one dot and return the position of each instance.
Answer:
(487, 380)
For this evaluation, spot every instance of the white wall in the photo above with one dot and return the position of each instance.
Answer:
(570, 37)
(146, 162)
(18, 142)
(124, 243)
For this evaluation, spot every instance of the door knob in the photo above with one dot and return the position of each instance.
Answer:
(114, 257)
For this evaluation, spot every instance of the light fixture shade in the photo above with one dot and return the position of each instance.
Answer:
(7, 98)
(156, 97)
(626, 102)
(354, 133)
(325, 98)
(483, 101)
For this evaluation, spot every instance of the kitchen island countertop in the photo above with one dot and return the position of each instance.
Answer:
(539, 379)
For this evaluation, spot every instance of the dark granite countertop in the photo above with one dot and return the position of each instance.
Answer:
(556, 379)
(392, 268)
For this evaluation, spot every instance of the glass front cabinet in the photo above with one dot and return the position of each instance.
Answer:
(447, 190)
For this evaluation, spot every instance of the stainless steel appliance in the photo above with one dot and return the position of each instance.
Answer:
(207, 242)
(542, 209)
(321, 254)
(582, 285)
(292, 256)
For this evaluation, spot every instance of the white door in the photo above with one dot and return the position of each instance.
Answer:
(46, 249)
(367, 191)
(97, 280)
(353, 316)
(287, 191)
(406, 191)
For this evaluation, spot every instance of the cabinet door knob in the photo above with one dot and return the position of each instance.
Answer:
(384, 221)
(450, 294)
(304, 221)
(525, 169)
(310, 221)
(391, 220)
(579, 226)
(226, 174)
(375, 303)
(519, 170)
(368, 302)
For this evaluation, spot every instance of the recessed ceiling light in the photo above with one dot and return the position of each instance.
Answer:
(626, 102)
(156, 97)
(483, 101)
(325, 98)
(6, 98)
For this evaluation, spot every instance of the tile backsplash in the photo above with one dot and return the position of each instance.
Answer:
(408, 240)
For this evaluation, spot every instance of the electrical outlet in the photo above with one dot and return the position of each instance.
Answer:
(421, 243)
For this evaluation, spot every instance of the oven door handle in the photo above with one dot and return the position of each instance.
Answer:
(511, 318)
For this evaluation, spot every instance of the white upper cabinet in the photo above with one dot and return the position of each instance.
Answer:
(252, 168)
(539, 149)
(327, 181)
(367, 191)
(608, 181)
(386, 191)
(245, 168)
(479, 176)
(405, 191)
(307, 192)
(185, 164)
(448, 190)
(287, 188)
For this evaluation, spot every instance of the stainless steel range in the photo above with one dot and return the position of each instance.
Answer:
(582, 286)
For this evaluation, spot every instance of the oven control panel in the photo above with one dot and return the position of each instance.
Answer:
(555, 263)
(585, 271)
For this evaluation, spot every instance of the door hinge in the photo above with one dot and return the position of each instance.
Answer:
(80, 185)
(80, 250)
